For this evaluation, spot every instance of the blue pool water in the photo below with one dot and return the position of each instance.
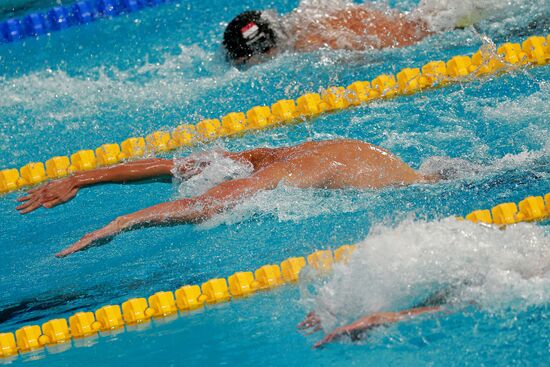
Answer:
(152, 70)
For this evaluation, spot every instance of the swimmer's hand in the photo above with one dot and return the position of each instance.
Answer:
(312, 322)
(49, 195)
(356, 330)
(109, 230)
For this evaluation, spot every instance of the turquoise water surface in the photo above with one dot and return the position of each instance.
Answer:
(157, 68)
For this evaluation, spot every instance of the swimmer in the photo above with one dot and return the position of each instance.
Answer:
(357, 329)
(255, 36)
(442, 301)
(331, 164)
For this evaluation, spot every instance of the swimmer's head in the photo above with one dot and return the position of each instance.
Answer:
(248, 35)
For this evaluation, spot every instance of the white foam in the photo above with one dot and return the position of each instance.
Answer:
(458, 168)
(513, 111)
(58, 96)
(396, 267)
(214, 169)
(444, 15)
(290, 204)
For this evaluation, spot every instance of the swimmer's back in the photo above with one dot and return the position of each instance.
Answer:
(344, 163)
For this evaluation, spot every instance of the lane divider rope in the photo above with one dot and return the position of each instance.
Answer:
(59, 18)
(532, 208)
(217, 290)
(534, 50)
(166, 303)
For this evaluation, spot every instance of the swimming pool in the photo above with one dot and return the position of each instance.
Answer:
(150, 70)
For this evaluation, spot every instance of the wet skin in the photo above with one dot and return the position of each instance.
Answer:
(332, 164)
(356, 329)
(347, 29)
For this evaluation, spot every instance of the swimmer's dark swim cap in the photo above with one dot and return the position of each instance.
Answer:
(247, 35)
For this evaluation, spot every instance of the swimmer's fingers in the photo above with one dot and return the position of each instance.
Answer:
(45, 198)
(77, 246)
(37, 192)
(27, 200)
(314, 330)
(38, 188)
(50, 204)
(60, 200)
(29, 206)
(311, 320)
(32, 197)
(80, 244)
(327, 339)
(31, 193)
(33, 202)
(24, 198)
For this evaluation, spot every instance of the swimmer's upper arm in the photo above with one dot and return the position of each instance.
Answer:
(261, 158)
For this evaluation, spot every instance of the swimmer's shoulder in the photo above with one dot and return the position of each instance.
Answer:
(351, 143)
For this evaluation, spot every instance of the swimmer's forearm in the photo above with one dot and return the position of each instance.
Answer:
(418, 311)
(392, 317)
(131, 171)
(155, 215)
(378, 319)
(215, 200)
(180, 211)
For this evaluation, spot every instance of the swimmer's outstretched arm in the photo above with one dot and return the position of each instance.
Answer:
(221, 197)
(60, 191)
(366, 323)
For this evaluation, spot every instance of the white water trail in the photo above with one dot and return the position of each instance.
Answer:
(398, 267)
(442, 15)
(458, 168)
(206, 170)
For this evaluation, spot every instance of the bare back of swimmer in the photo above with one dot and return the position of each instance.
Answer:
(332, 164)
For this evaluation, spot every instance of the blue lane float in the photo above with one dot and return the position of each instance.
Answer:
(35, 25)
(63, 17)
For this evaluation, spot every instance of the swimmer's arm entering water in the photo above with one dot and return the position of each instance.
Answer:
(434, 303)
(355, 329)
(223, 196)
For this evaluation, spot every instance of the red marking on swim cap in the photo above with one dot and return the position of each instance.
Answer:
(249, 30)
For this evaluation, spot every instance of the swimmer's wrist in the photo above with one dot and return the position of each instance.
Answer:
(83, 179)
(78, 180)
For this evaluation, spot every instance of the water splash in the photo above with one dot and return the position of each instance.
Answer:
(212, 167)
(443, 15)
(156, 84)
(398, 267)
(458, 168)
(514, 111)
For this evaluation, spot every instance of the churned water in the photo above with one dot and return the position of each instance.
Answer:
(155, 69)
